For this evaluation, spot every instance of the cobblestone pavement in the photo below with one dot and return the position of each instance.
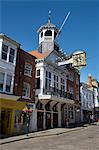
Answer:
(84, 139)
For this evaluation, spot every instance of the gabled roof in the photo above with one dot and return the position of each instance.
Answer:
(39, 55)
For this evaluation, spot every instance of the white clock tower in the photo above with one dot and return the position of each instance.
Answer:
(47, 34)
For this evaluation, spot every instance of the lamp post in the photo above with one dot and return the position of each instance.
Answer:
(27, 111)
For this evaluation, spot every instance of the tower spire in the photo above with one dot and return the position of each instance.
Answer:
(49, 16)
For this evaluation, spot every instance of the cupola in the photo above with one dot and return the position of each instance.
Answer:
(47, 37)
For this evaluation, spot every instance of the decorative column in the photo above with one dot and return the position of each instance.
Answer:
(59, 115)
(82, 115)
(74, 114)
(42, 80)
(51, 119)
(67, 123)
(44, 118)
(33, 121)
(12, 122)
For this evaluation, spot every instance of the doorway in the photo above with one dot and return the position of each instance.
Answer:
(5, 121)
(40, 120)
(48, 120)
(55, 120)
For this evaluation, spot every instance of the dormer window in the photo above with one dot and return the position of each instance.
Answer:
(48, 33)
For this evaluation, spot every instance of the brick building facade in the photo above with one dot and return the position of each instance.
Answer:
(24, 82)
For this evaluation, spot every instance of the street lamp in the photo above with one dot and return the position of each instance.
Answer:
(27, 111)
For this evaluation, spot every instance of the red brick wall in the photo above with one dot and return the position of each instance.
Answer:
(20, 78)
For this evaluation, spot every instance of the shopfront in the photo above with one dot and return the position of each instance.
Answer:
(11, 115)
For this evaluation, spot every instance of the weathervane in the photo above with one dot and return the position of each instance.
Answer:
(49, 15)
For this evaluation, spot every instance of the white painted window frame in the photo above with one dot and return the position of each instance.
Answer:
(28, 69)
(28, 86)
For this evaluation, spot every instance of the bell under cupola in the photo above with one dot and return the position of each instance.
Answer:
(47, 37)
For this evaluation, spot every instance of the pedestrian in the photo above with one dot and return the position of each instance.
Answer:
(67, 122)
(91, 118)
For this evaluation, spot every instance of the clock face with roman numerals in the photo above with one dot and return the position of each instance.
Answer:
(79, 59)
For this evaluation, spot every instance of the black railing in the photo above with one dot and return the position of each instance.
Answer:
(58, 93)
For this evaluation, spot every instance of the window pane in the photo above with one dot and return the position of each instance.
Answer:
(38, 72)
(11, 56)
(5, 48)
(8, 83)
(4, 52)
(28, 69)
(54, 77)
(57, 78)
(11, 59)
(46, 83)
(9, 79)
(12, 51)
(1, 77)
(4, 56)
(46, 73)
(1, 81)
(49, 74)
(38, 83)
(26, 89)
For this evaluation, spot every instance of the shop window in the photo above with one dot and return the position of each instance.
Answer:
(4, 52)
(70, 115)
(19, 118)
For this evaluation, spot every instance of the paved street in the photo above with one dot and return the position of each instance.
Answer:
(84, 139)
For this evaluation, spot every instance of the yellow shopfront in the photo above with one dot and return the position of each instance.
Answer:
(11, 120)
